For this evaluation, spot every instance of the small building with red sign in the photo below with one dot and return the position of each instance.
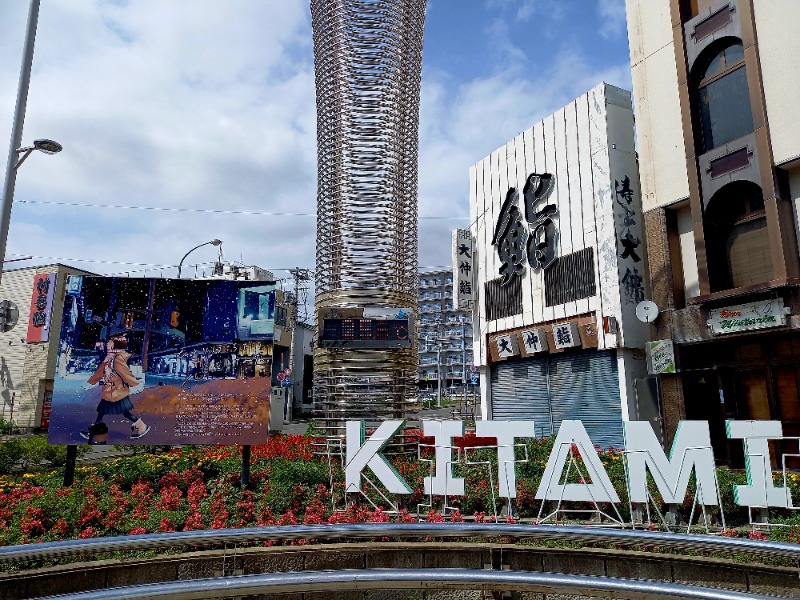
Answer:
(33, 300)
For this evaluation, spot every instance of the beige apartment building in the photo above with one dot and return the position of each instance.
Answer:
(717, 106)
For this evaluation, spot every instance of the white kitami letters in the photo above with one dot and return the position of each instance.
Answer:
(443, 483)
(368, 453)
(691, 449)
(599, 490)
(760, 491)
(506, 433)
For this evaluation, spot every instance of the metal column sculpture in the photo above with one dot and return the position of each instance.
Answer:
(368, 57)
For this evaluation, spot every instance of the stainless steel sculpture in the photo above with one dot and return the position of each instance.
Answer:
(368, 57)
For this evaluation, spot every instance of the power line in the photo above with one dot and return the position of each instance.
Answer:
(154, 266)
(216, 211)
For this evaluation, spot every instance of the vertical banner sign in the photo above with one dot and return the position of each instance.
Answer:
(463, 265)
(47, 404)
(660, 357)
(44, 286)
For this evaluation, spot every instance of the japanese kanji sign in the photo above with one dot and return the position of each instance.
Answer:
(534, 340)
(464, 265)
(565, 335)
(507, 345)
(537, 242)
(44, 286)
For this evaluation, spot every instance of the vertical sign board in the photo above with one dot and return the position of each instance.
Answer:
(463, 269)
(47, 404)
(163, 361)
(660, 357)
(44, 287)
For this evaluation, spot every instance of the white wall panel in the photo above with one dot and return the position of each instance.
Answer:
(691, 281)
(550, 166)
(779, 53)
(539, 166)
(659, 130)
(649, 27)
(593, 304)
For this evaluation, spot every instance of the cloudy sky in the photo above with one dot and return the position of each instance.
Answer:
(207, 109)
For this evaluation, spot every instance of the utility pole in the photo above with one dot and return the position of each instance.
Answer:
(301, 278)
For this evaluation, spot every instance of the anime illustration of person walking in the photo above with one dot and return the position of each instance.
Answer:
(115, 378)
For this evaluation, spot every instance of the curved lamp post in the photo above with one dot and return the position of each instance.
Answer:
(212, 242)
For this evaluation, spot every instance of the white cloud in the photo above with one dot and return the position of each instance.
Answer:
(177, 104)
(612, 14)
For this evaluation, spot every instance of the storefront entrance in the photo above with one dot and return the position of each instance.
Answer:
(744, 380)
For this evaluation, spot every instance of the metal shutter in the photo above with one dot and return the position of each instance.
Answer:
(585, 386)
(519, 393)
(548, 390)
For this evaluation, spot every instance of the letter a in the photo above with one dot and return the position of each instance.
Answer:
(600, 490)
(362, 453)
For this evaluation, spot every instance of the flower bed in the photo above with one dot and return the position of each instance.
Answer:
(198, 488)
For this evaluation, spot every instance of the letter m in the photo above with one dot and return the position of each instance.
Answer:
(361, 453)
(691, 450)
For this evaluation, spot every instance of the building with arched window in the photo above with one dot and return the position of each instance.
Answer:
(717, 98)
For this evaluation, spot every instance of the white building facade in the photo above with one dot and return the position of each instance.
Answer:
(557, 231)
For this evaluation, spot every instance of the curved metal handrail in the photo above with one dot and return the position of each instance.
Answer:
(584, 535)
(376, 579)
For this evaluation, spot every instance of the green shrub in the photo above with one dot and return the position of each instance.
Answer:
(10, 453)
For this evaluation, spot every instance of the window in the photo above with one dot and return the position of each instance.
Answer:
(737, 243)
(503, 300)
(570, 278)
(723, 98)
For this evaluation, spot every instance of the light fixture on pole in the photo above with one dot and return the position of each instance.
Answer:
(46, 146)
(212, 242)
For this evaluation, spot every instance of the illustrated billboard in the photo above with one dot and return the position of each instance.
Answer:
(163, 361)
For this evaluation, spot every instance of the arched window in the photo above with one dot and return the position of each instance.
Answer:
(723, 99)
(737, 244)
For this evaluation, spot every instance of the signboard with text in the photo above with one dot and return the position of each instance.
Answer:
(367, 327)
(660, 357)
(163, 361)
(747, 317)
(464, 264)
(44, 286)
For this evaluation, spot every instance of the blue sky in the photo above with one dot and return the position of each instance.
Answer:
(193, 104)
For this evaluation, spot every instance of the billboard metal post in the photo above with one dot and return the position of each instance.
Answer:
(245, 477)
(69, 466)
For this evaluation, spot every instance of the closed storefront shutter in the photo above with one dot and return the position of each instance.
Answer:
(585, 386)
(582, 386)
(519, 393)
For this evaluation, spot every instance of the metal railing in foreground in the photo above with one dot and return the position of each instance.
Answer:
(349, 532)
(410, 579)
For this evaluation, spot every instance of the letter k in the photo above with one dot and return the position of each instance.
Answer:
(361, 453)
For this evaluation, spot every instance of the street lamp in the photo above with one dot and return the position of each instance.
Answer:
(46, 146)
(212, 242)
